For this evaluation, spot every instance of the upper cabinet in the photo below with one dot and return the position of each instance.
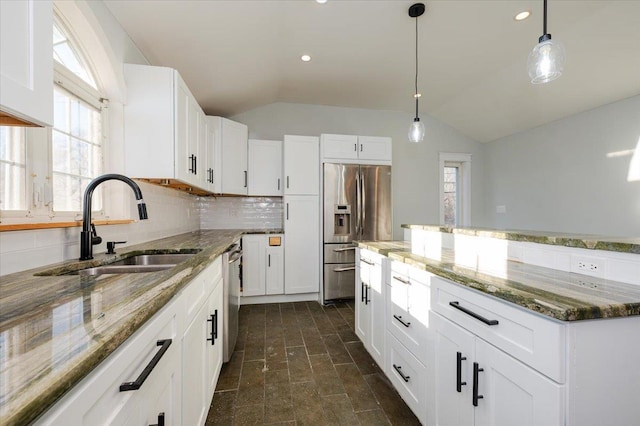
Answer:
(162, 127)
(233, 139)
(356, 149)
(26, 62)
(213, 129)
(265, 168)
(301, 165)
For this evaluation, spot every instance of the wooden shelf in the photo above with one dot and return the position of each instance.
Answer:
(49, 225)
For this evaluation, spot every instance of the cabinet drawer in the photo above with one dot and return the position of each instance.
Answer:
(202, 285)
(408, 314)
(528, 337)
(413, 386)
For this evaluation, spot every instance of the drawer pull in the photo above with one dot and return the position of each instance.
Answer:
(160, 420)
(399, 318)
(345, 269)
(368, 262)
(399, 370)
(476, 370)
(473, 314)
(459, 382)
(402, 280)
(127, 386)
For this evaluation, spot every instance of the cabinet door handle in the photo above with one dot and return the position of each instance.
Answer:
(362, 285)
(476, 370)
(456, 304)
(366, 294)
(361, 147)
(459, 382)
(195, 165)
(212, 321)
(399, 318)
(215, 325)
(278, 184)
(399, 370)
(160, 420)
(355, 147)
(287, 211)
(269, 261)
(245, 178)
(192, 166)
(362, 259)
(402, 280)
(127, 386)
(287, 182)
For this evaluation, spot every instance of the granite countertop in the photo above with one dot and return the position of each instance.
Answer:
(593, 242)
(557, 294)
(55, 329)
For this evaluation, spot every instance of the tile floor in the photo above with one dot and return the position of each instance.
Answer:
(302, 364)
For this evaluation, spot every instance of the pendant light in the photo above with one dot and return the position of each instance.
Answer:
(546, 60)
(416, 130)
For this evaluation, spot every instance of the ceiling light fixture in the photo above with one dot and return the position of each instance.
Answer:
(321, 1)
(546, 60)
(305, 58)
(522, 15)
(416, 130)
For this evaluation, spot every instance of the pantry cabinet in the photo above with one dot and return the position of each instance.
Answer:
(302, 244)
(26, 62)
(355, 149)
(162, 127)
(265, 168)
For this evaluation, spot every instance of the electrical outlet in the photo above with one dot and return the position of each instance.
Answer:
(588, 266)
(233, 213)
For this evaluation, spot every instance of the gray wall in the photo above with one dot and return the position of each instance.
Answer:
(415, 166)
(566, 177)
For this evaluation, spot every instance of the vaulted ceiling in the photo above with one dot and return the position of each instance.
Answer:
(237, 55)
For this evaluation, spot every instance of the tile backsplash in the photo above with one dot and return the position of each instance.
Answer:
(241, 212)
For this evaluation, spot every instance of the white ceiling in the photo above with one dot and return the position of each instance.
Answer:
(238, 55)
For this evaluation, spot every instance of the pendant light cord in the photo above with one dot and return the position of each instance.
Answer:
(416, 82)
(544, 18)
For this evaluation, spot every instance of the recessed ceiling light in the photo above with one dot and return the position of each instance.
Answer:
(305, 58)
(522, 15)
(321, 1)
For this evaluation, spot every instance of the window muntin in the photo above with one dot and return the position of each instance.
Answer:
(13, 168)
(67, 54)
(451, 196)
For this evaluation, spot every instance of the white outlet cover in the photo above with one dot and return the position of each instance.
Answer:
(501, 209)
(592, 266)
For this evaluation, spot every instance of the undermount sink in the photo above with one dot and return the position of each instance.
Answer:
(129, 265)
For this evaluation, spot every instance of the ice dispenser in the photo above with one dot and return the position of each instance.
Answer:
(342, 219)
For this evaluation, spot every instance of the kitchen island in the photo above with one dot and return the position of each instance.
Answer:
(523, 343)
(55, 329)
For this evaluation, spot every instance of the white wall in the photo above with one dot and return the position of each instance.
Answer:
(415, 166)
(570, 175)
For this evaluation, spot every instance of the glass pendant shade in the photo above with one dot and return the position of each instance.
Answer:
(416, 131)
(546, 61)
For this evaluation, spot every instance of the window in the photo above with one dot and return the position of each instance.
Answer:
(455, 189)
(45, 171)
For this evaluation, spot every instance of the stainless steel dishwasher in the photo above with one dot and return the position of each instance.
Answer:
(231, 280)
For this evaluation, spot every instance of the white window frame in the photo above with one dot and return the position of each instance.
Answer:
(463, 201)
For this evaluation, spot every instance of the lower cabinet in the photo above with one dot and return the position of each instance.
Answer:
(302, 246)
(262, 264)
(165, 372)
(370, 303)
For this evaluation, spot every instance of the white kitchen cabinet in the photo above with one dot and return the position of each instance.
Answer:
(161, 127)
(202, 347)
(356, 149)
(301, 165)
(370, 303)
(214, 154)
(265, 168)
(97, 399)
(233, 138)
(26, 62)
(262, 265)
(302, 244)
(477, 384)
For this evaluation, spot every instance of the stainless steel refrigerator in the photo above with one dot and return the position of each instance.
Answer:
(357, 206)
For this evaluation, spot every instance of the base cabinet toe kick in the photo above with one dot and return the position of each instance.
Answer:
(461, 357)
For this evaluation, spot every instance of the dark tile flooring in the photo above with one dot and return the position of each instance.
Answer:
(302, 364)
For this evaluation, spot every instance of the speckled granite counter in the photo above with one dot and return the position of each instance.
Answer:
(55, 329)
(593, 242)
(561, 295)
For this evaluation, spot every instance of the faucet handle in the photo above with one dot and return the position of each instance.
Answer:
(95, 239)
(111, 245)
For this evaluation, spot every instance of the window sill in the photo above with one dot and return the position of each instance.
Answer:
(49, 225)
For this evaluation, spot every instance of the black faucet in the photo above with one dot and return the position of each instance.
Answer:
(88, 236)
